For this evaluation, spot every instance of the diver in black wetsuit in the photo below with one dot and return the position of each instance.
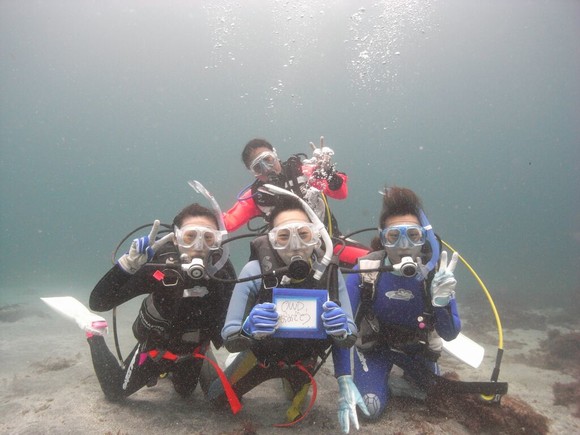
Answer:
(183, 312)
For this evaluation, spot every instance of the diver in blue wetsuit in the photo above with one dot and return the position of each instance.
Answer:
(292, 245)
(401, 314)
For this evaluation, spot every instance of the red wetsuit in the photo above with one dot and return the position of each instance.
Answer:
(294, 177)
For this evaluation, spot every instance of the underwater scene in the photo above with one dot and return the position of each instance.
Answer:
(109, 108)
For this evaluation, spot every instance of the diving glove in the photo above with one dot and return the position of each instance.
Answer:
(262, 321)
(348, 398)
(142, 250)
(444, 282)
(334, 320)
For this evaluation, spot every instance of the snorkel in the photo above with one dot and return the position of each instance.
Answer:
(211, 268)
(433, 241)
(319, 268)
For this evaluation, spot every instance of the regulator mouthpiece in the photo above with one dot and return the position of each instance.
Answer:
(298, 268)
(407, 267)
(274, 178)
(194, 269)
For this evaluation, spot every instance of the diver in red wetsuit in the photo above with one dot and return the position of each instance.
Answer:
(311, 179)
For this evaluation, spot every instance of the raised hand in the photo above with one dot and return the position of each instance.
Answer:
(142, 250)
(444, 282)
(323, 157)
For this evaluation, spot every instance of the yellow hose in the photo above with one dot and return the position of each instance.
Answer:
(487, 398)
(328, 215)
(487, 294)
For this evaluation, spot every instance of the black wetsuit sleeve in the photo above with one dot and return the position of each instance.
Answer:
(117, 287)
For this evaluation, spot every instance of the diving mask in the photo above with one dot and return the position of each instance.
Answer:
(264, 163)
(294, 235)
(402, 236)
(191, 236)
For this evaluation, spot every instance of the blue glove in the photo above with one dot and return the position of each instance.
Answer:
(262, 321)
(142, 250)
(348, 398)
(334, 320)
(444, 282)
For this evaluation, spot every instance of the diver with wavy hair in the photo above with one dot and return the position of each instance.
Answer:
(401, 314)
(293, 246)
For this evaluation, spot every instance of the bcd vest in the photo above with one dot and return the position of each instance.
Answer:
(424, 340)
(289, 350)
(180, 313)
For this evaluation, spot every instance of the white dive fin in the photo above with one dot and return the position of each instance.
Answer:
(75, 310)
(465, 349)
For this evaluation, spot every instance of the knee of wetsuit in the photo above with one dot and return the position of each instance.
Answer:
(113, 395)
(375, 405)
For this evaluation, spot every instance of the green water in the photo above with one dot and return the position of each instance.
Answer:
(107, 109)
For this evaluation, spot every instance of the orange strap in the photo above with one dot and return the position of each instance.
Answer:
(312, 399)
(154, 354)
(235, 404)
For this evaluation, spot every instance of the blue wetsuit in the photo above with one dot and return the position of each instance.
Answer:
(400, 308)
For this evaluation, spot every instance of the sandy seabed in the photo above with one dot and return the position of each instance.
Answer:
(48, 386)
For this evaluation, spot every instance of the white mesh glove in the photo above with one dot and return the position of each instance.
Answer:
(444, 282)
(348, 398)
(142, 250)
